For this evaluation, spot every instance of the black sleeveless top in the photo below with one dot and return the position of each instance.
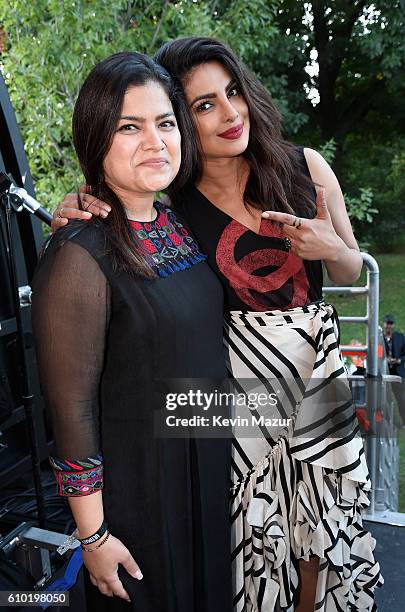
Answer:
(257, 270)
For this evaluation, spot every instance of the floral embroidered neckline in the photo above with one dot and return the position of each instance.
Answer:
(166, 242)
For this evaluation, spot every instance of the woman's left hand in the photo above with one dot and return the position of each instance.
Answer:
(310, 238)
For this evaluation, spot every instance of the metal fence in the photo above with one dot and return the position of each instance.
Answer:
(372, 392)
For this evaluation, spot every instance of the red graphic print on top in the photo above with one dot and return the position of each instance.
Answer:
(241, 274)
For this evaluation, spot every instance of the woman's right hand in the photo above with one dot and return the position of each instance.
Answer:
(102, 564)
(69, 209)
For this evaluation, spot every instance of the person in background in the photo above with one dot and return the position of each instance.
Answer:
(395, 350)
(358, 361)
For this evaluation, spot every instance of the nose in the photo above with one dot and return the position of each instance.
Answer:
(230, 114)
(152, 139)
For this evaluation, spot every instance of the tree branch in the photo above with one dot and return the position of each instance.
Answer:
(155, 35)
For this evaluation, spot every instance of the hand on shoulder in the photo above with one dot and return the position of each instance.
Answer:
(68, 209)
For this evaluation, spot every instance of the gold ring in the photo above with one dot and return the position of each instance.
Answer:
(287, 243)
(60, 212)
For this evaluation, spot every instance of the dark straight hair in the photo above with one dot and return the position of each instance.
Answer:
(276, 180)
(95, 118)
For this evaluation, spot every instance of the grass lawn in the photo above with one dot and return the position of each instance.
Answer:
(401, 440)
(392, 300)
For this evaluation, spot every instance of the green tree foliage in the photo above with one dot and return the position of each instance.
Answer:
(360, 52)
(360, 206)
(380, 164)
(333, 68)
(52, 45)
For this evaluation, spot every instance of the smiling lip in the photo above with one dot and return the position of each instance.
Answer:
(233, 133)
(155, 162)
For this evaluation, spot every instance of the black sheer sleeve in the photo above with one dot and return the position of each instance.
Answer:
(71, 309)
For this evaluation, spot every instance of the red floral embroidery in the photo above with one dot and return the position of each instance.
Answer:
(167, 242)
(149, 246)
(175, 239)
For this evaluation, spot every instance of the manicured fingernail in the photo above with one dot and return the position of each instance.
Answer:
(265, 215)
(88, 214)
(103, 213)
(108, 208)
(138, 575)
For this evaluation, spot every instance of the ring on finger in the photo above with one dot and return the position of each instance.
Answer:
(60, 212)
(297, 222)
(287, 243)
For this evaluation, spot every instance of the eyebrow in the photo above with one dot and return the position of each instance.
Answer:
(210, 96)
(142, 119)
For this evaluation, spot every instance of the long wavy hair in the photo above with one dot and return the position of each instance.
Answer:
(95, 118)
(277, 180)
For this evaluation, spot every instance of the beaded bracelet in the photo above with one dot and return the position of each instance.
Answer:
(98, 545)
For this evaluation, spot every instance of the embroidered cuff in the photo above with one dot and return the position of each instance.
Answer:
(78, 477)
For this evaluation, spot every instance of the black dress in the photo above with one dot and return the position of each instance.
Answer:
(102, 337)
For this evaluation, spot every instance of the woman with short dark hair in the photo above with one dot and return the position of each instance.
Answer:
(135, 299)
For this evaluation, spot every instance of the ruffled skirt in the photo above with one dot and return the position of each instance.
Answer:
(300, 477)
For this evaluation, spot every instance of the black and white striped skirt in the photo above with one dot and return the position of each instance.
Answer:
(300, 481)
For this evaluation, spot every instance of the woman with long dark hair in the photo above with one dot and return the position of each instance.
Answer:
(151, 511)
(268, 213)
